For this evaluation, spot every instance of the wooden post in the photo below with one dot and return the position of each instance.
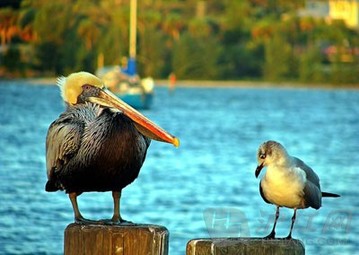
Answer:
(231, 246)
(134, 239)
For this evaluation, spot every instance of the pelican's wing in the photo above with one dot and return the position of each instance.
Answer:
(62, 143)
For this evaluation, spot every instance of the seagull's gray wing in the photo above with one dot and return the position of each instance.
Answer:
(312, 192)
(312, 195)
(62, 143)
(310, 174)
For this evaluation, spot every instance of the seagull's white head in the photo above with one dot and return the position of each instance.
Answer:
(270, 152)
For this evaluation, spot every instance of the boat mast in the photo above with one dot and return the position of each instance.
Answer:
(133, 32)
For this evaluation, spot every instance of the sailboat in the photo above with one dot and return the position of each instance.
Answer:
(123, 80)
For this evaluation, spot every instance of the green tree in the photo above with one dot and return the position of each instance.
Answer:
(277, 58)
(12, 60)
(113, 43)
(172, 25)
(52, 21)
(151, 52)
(200, 40)
(311, 68)
(195, 58)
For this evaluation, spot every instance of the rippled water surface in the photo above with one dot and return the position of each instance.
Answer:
(205, 188)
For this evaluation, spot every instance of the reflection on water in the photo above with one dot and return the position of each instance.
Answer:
(205, 188)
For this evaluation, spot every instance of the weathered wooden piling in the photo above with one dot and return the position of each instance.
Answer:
(231, 246)
(87, 239)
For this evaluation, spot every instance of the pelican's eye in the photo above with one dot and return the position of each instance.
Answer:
(87, 91)
(90, 90)
(86, 87)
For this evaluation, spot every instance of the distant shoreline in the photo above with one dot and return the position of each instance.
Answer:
(254, 84)
(210, 83)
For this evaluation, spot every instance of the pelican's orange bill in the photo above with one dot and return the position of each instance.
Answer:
(142, 123)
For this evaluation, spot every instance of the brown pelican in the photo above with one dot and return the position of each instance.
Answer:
(288, 182)
(98, 144)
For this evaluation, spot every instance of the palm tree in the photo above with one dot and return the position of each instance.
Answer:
(8, 25)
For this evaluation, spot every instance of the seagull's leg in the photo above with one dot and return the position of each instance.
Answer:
(272, 233)
(291, 226)
(73, 199)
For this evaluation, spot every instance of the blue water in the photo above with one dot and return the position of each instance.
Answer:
(206, 187)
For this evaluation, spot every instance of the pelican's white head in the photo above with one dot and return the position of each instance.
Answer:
(85, 87)
(72, 85)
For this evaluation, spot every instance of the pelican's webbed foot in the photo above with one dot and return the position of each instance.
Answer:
(82, 220)
(119, 221)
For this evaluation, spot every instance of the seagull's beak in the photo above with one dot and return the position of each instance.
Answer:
(143, 124)
(259, 169)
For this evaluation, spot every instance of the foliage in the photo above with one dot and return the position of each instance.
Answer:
(210, 39)
(278, 57)
(311, 69)
(195, 58)
(11, 59)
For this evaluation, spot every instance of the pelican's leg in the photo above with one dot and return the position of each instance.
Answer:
(73, 199)
(272, 233)
(116, 195)
(291, 226)
(116, 207)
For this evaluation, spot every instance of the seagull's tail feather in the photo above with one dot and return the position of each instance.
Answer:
(327, 194)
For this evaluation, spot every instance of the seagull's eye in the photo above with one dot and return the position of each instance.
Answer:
(262, 156)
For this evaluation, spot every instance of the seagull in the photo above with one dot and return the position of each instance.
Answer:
(288, 182)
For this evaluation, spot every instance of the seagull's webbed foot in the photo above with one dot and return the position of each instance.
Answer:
(272, 233)
(289, 237)
(270, 236)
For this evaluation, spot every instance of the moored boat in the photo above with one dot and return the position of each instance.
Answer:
(124, 81)
(130, 88)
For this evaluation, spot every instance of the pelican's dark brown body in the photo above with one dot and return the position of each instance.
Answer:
(90, 148)
(98, 144)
